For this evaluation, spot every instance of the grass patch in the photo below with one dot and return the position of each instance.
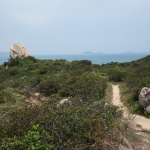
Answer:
(128, 101)
(146, 131)
(108, 94)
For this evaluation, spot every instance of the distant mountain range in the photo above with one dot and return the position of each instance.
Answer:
(6, 54)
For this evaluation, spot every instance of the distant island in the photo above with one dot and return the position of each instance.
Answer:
(6, 54)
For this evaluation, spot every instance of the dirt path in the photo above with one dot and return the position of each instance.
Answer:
(138, 122)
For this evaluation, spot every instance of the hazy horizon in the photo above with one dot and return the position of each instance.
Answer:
(92, 53)
(73, 27)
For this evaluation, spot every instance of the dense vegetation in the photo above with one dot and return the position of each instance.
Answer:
(134, 75)
(84, 122)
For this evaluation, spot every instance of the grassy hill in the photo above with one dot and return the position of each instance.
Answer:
(134, 75)
(31, 89)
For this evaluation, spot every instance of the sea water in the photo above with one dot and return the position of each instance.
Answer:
(95, 59)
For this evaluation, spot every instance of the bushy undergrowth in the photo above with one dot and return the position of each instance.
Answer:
(140, 76)
(83, 123)
(68, 79)
(135, 75)
(77, 126)
(32, 140)
(132, 103)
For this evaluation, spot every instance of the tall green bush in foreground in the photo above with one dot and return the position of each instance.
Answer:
(78, 125)
(30, 141)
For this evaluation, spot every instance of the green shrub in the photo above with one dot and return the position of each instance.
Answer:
(6, 97)
(16, 83)
(48, 87)
(135, 107)
(115, 75)
(35, 81)
(91, 86)
(144, 82)
(43, 70)
(79, 126)
(147, 114)
(5, 64)
(20, 121)
(87, 86)
(67, 88)
(30, 141)
(31, 58)
(14, 61)
(13, 71)
(85, 62)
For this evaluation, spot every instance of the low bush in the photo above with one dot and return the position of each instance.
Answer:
(13, 71)
(84, 87)
(77, 126)
(32, 140)
(115, 75)
(48, 87)
(85, 62)
(43, 70)
(6, 97)
(14, 61)
(136, 107)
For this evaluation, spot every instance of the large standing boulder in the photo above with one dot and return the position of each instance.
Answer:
(144, 98)
(18, 50)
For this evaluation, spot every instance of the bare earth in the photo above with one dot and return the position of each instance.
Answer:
(138, 123)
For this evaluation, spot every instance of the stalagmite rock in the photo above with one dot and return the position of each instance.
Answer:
(18, 50)
(144, 98)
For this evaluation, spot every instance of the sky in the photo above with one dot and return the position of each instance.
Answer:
(75, 26)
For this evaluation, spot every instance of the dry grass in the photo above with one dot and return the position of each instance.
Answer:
(108, 94)
(124, 94)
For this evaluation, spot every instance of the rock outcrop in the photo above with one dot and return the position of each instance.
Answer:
(18, 50)
(144, 98)
(66, 100)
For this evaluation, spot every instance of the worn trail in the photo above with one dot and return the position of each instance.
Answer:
(138, 122)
